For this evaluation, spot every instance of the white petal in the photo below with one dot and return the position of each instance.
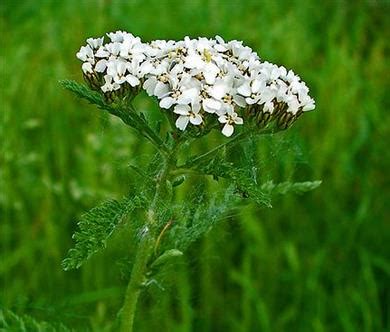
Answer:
(268, 107)
(182, 109)
(146, 68)
(166, 102)
(240, 101)
(121, 67)
(87, 67)
(256, 85)
(195, 107)
(102, 53)
(282, 71)
(182, 122)
(309, 106)
(132, 80)
(150, 85)
(212, 68)
(187, 96)
(238, 120)
(267, 96)
(196, 119)
(161, 89)
(81, 56)
(220, 48)
(250, 101)
(222, 119)
(219, 39)
(229, 108)
(84, 53)
(111, 69)
(293, 106)
(95, 42)
(211, 105)
(227, 130)
(115, 48)
(244, 90)
(210, 77)
(210, 72)
(218, 91)
(194, 61)
(108, 79)
(101, 66)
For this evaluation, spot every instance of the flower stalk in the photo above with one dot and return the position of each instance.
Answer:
(136, 282)
(145, 249)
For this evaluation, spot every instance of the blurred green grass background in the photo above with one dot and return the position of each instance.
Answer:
(317, 262)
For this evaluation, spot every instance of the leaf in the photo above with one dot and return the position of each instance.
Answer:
(95, 98)
(95, 228)
(165, 257)
(123, 109)
(82, 91)
(9, 321)
(243, 180)
(243, 174)
(199, 215)
(287, 187)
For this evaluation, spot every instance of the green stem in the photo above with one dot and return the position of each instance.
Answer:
(134, 288)
(144, 252)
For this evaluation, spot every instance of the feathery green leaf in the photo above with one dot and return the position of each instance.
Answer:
(199, 216)
(95, 228)
(82, 91)
(242, 179)
(124, 110)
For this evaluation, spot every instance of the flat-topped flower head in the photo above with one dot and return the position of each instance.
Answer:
(202, 81)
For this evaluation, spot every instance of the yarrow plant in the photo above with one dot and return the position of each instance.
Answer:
(200, 85)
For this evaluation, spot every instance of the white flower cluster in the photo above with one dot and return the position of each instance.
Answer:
(118, 62)
(204, 82)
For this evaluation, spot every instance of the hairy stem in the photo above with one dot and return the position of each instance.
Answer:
(144, 252)
(137, 278)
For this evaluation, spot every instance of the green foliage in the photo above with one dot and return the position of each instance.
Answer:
(10, 322)
(82, 91)
(96, 227)
(122, 109)
(199, 214)
(245, 178)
